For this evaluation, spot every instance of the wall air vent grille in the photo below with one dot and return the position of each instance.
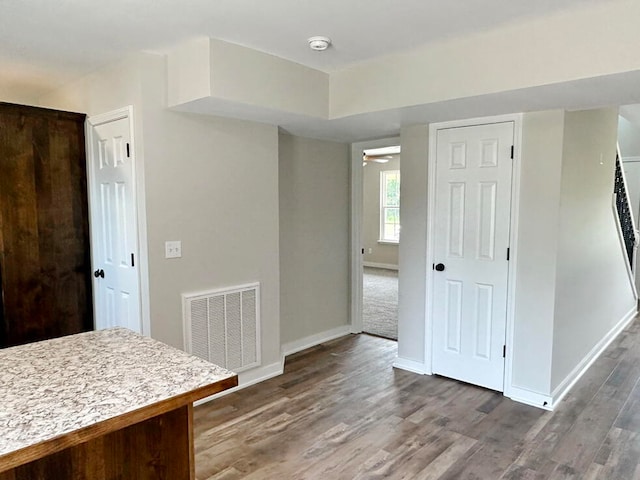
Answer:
(223, 326)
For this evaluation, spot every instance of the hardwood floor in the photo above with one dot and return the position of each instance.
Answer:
(340, 411)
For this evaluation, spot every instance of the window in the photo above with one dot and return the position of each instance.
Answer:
(390, 206)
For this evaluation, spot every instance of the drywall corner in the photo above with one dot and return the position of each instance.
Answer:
(189, 72)
(538, 230)
(314, 236)
(593, 288)
(412, 256)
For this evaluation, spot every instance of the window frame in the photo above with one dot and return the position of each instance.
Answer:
(384, 174)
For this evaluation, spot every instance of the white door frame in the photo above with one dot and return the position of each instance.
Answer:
(356, 223)
(138, 198)
(513, 235)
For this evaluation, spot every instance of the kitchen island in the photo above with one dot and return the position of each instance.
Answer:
(101, 405)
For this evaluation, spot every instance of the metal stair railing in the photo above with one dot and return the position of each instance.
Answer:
(626, 221)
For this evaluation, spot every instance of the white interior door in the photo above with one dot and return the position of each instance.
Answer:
(113, 222)
(471, 238)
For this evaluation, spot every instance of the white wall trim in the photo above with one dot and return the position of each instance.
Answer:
(260, 374)
(430, 232)
(630, 159)
(139, 201)
(411, 366)
(356, 225)
(313, 340)
(534, 399)
(111, 116)
(513, 253)
(248, 378)
(387, 266)
(355, 245)
(561, 390)
(515, 196)
(470, 122)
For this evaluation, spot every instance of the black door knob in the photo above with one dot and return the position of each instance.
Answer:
(440, 267)
(99, 273)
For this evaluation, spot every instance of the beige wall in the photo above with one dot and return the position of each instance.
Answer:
(569, 50)
(214, 184)
(214, 69)
(103, 91)
(628, 138)
(414, 141)
(314, 236)
(570, 45)
(210, 182)
(18, 97)
(593, 291)
(535, 253)
(571, 285)
(381, 253)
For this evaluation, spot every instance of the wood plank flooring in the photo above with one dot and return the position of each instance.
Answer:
(340, 411)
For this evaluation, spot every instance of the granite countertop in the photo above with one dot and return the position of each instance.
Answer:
(51, 388)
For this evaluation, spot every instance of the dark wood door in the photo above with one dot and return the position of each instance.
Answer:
(44, 233)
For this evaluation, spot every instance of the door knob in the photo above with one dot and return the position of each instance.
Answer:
(439, 267)
(99, 273)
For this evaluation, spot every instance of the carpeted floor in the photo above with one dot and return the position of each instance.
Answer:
(380, 302)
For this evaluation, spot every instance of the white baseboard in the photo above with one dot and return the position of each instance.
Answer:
(260, 374)
(410, 366)
(561, 390)
(313, 340)
(387, 266)
(248, 378)
(528, 397)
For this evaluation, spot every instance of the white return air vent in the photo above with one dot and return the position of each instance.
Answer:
(223, 326)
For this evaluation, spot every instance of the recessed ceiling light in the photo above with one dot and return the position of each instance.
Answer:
(319, 43)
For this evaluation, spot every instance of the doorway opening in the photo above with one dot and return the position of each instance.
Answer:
(380, 240)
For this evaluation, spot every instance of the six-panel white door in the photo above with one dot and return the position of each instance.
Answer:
(471, 237)
(114, 232)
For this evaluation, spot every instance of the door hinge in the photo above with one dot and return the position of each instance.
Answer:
(512, 152)
(133, 264)
(129, 152)
(504, 351)
(508, 253)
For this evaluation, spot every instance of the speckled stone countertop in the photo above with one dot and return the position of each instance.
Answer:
(51, 388)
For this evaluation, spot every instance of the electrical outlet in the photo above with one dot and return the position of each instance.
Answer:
(173, 249)
(370, 250)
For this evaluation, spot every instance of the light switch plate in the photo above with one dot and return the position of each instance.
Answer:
(173, 249)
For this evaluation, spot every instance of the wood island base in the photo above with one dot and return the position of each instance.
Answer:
(158, 448)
